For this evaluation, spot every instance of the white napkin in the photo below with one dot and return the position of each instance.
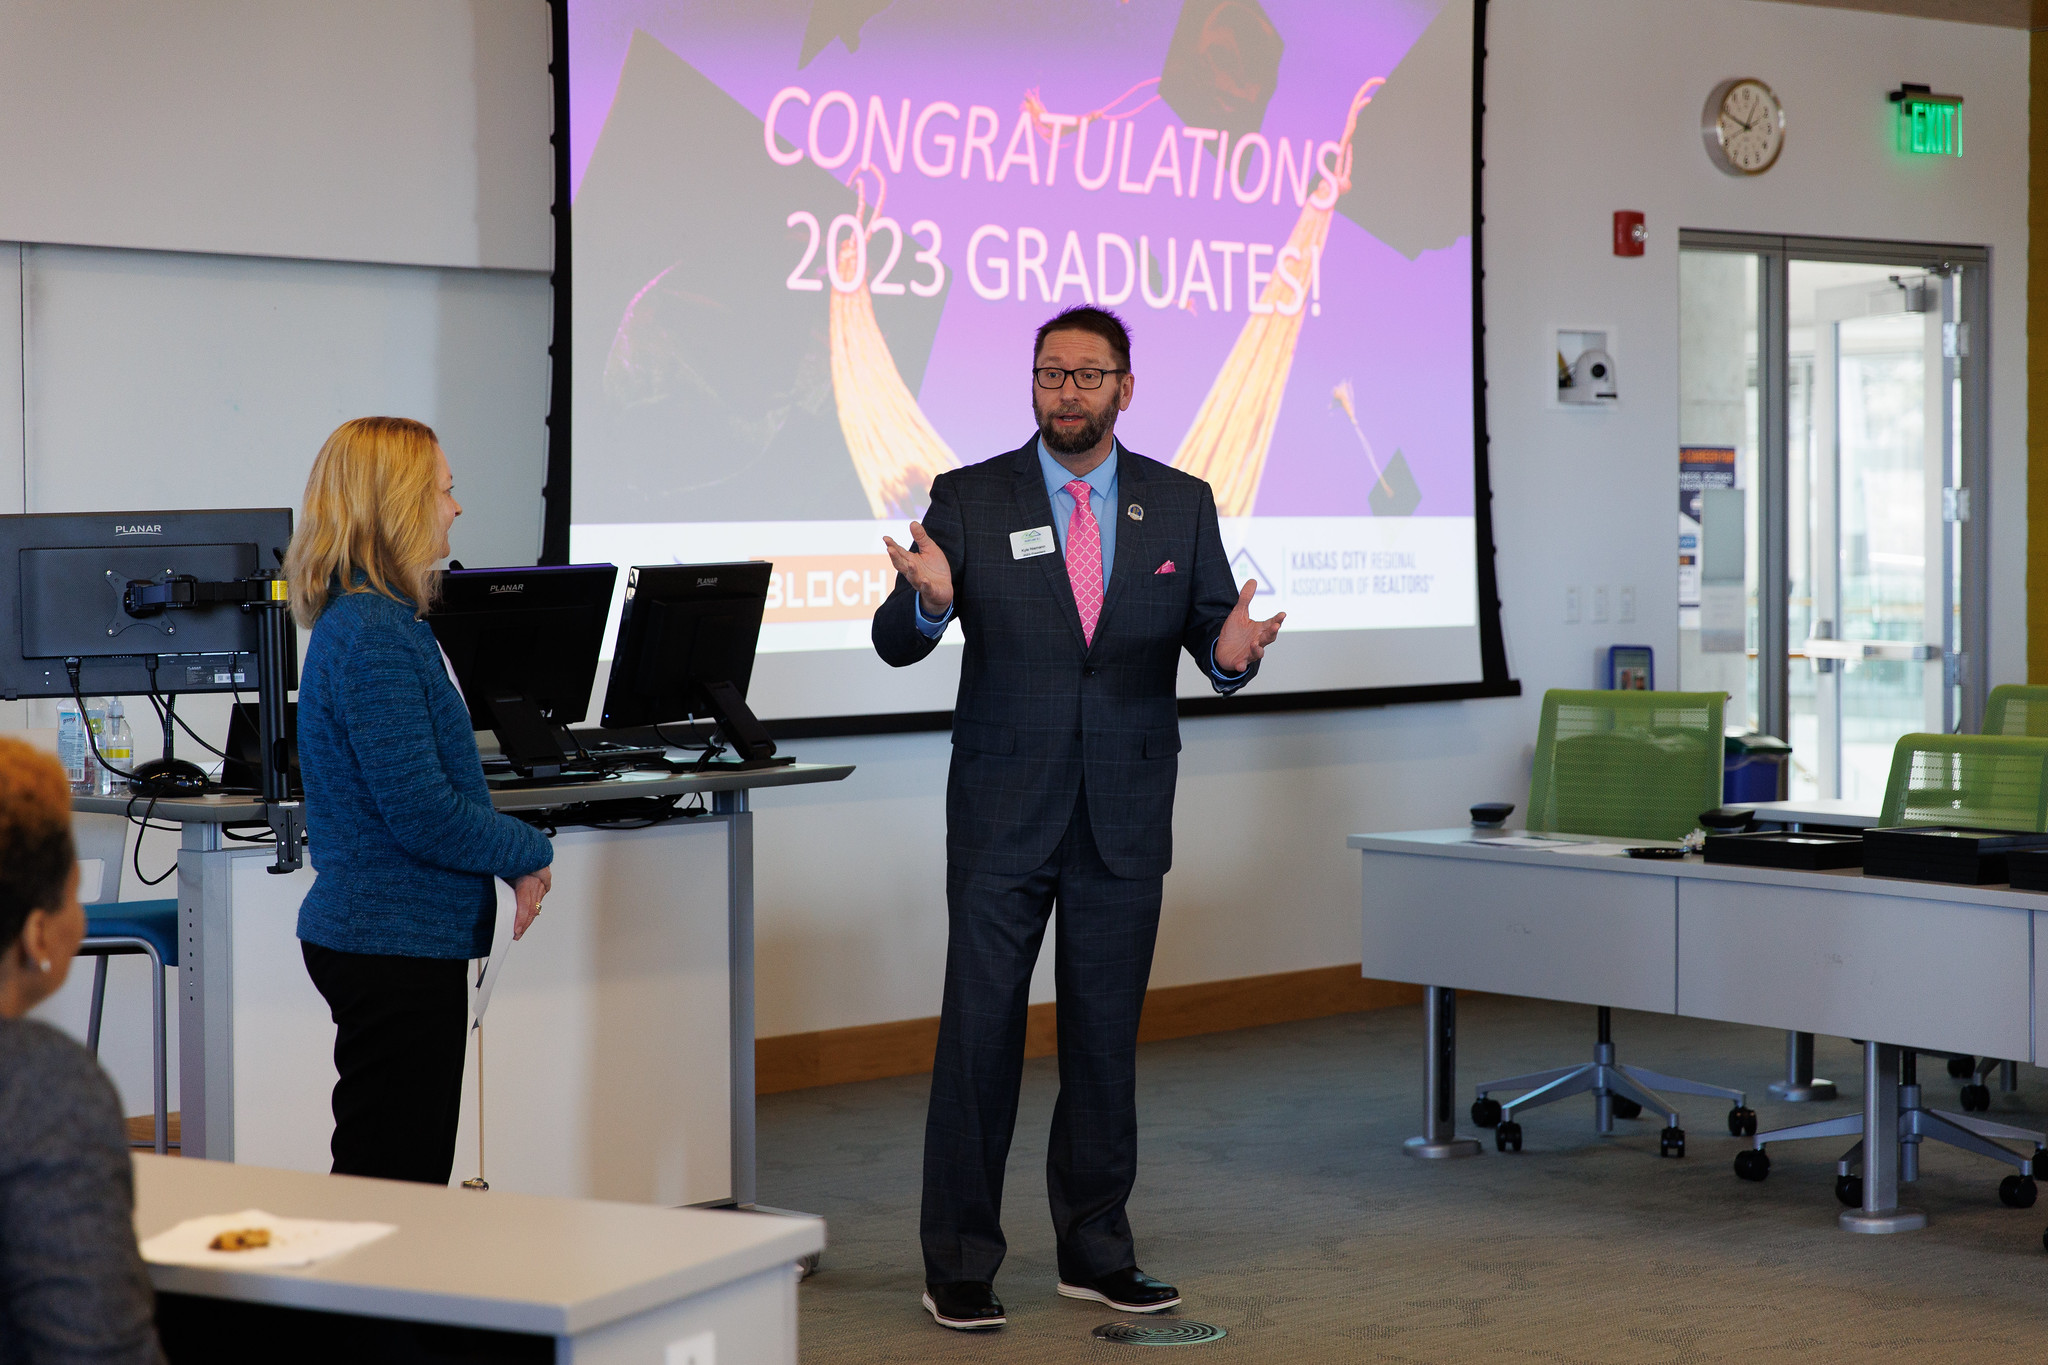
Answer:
(501, 944)
(293, 1241)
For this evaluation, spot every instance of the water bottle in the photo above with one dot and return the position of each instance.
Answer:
(71, 744)
(117, 749)
(94, 735)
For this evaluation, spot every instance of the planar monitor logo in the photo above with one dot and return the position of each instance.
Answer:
(138, 528)
(497, 588)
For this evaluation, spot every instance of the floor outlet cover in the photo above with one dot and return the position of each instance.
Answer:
(1169, 1333)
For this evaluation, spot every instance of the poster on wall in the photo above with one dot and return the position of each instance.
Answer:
(1699, 468)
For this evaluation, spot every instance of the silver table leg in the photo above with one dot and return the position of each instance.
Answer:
(1800, 1085)
(1881, 1211)
(739, 872)
(1439, 1079)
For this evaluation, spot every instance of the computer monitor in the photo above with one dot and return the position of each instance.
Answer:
(524, 644)
(68, 599)
(686, 649)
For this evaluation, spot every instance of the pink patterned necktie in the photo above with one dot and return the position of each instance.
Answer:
(1084, 560)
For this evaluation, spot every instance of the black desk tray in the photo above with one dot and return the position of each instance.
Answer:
(1807, 852)
(2027, 869)
(1944, 853)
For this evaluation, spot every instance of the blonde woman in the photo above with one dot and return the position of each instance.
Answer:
(399, 822)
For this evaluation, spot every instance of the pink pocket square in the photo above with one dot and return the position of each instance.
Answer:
(1167, 567)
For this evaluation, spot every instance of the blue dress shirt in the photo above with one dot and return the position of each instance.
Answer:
(1101, 483)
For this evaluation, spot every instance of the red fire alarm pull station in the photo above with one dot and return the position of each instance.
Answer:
(1629, 233)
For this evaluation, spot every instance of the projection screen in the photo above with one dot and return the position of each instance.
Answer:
(812, 240)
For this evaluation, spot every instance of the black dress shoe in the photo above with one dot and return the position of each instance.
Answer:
(968, 1306)
(1129, 1290)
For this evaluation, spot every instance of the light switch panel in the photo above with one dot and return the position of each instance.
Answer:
(1571, 606)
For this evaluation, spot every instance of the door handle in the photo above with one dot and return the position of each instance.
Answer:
(1886, 651)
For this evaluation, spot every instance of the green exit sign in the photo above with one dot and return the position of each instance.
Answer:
(1929, 124)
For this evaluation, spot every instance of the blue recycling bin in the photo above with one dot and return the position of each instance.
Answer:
(1751, 768)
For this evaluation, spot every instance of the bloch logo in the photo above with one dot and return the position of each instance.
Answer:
(497, 588)
(139, 528)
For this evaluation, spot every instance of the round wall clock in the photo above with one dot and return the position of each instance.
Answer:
(1743, 126)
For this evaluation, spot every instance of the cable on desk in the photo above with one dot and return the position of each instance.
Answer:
(147, 811)
(172, 713)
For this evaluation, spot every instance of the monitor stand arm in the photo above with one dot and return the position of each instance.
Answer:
(526, 738)
(750, 740)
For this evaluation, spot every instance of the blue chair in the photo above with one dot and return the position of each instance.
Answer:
(118, 928)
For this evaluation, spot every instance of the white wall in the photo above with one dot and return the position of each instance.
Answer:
(406, 131)
(1594, 106)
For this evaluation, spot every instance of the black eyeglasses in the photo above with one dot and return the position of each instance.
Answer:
(1053, 377)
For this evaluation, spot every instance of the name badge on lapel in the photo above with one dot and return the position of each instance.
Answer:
(1039, 540)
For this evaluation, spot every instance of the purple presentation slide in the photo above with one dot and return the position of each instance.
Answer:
(813, 238)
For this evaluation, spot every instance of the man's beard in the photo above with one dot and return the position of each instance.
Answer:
(1093, 429)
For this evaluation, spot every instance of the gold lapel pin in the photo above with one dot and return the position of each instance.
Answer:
(1135, 512)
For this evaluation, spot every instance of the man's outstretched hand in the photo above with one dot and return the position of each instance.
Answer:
(1243, 641)
(927, 571)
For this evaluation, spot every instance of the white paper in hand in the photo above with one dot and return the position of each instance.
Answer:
(501, 945)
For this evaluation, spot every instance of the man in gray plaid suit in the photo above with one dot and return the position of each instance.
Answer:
(1079, 571)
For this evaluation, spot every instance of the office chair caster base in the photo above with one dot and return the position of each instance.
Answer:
(1815, 1091)
(1626, 1108)
(1508, 1137)
(1976, 1098)
(1671, 1142)
(1849, 1190)
(2017, 1192)
(1891, 1220)
(1432, 1150)
(1485, 1112)
(1753, 1165)
(1961, 1068)
(1742, 1121)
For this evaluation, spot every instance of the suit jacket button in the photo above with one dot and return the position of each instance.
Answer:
(1087, 672)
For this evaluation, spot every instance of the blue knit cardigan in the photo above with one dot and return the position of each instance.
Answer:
(398, 819)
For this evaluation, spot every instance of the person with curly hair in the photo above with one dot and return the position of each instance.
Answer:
(72, 1286)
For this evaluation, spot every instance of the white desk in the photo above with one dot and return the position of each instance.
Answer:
(609, 1282)
(1918, 964)
(620, 1039)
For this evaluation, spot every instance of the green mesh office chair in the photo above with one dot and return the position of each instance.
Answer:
(2014, 709)
(1632, 765)
(1980, 782)
(2011, 709)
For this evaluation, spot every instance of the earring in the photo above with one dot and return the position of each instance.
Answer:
(44, 964)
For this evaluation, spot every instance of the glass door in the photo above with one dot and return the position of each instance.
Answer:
(1832, 428)
(1880, 564)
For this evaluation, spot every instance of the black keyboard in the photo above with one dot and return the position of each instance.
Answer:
(612, 753)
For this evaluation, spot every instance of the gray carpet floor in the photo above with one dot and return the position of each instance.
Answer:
(1273, 1191)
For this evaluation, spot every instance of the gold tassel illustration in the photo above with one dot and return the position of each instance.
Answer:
(1232, 432)
(896, 451)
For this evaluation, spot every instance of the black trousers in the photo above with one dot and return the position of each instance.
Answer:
(401, 1030)
(1102, 960)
